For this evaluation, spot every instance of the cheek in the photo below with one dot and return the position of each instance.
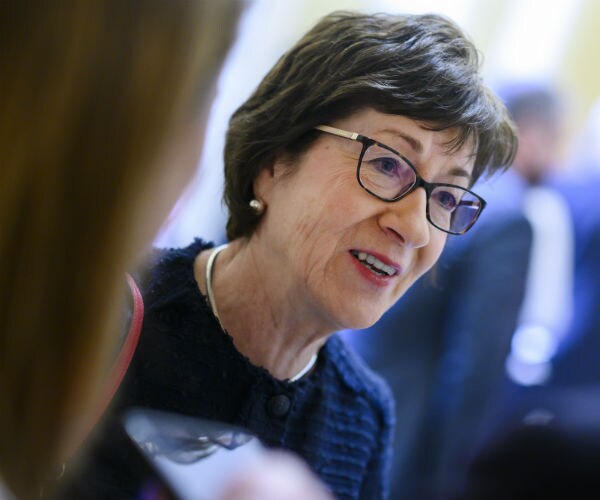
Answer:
(321, 209)
(317, 235)
(322, 227)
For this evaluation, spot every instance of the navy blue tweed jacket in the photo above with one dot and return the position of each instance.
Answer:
(339, 418)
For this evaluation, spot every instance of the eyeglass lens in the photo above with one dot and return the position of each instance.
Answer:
(387, 175)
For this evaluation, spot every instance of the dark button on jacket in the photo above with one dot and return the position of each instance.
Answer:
(278, 406)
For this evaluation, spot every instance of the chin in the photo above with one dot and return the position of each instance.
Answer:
(360, 322)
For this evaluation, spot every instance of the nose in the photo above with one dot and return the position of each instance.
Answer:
(405, 220)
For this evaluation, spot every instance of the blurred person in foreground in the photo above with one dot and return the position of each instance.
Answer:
(103, 105)
(345, 172)
(102, 118)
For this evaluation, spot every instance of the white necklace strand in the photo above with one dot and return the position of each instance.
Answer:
(209, 273)
(305, 370)
(213, 305)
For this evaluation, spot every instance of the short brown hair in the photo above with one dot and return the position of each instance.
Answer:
(419, 66)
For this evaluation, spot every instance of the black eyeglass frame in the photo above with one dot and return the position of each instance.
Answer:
(367, 142)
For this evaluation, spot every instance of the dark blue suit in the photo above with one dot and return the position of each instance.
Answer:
(547, 442)
(578, 361)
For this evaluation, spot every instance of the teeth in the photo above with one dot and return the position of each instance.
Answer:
(375, 263)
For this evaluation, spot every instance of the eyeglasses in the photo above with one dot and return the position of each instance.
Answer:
(389, 176)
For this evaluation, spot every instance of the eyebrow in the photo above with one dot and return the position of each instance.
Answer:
(460, 172)
(415, 144)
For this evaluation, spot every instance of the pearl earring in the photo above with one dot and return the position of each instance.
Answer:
(257, 205)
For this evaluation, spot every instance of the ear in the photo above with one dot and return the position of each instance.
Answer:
(270, 174)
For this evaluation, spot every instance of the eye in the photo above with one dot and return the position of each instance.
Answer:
(386, 165)
(445, 199)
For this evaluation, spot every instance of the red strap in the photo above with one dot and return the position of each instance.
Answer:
(122, 362)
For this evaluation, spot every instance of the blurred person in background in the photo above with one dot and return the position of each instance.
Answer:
(103, 105)
(540, 112)
(576, 362)
(548, 445)
(345, 171)
(532, 444)
(445, 345)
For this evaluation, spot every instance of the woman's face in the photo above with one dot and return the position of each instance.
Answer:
(319, 220)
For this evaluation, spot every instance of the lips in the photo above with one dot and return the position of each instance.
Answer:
(376, 263)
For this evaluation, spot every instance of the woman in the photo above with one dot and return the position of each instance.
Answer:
(102, 108)
(345, 171)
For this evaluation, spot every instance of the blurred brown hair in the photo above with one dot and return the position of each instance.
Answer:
(90, 93)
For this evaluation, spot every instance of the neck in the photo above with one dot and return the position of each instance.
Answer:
(258, 309)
